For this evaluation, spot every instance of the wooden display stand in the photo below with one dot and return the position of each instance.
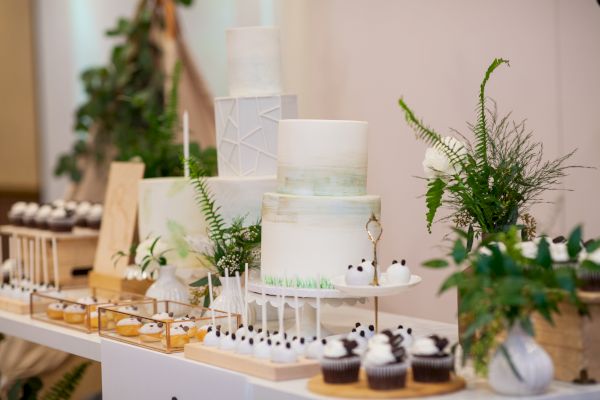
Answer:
(249, 365)
(573, 342)
(361, 390)
(118, 229)
(75, 250)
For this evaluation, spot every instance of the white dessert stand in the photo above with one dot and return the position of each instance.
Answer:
(303, 299)
(385, 288)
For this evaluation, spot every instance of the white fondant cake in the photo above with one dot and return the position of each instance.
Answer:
(322, 158)
(167, 208)
(307, 235)
(253, 61)
(247, 133)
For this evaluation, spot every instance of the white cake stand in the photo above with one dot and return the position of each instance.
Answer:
(303, 301)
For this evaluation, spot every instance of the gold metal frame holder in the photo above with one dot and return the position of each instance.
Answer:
(375, 230)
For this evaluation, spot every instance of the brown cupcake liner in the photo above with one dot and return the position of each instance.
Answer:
(387, 377)
(432, 369)
(590, 280)
(340, 370)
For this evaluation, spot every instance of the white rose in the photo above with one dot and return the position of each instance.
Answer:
(559, 252)
(593, 256)
(528, 249)
(437, 164)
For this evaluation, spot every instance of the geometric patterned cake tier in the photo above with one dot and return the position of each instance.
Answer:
(247, 133)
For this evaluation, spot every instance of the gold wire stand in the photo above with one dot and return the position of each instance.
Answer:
(375, 230)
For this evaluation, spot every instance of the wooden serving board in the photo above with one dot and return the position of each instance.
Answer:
(360, 389)
(14, 306)
(265, 369)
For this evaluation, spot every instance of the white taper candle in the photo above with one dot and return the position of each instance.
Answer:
(55, 263)
(210, 296)
(186, 144)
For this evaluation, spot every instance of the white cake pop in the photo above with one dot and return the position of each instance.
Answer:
(398, 273)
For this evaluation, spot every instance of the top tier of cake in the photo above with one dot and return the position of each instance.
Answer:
(322, 157)
(254, 61)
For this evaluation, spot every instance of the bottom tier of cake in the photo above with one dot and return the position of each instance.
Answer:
(305, 238)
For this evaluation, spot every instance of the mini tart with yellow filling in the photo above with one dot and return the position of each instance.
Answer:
(178, 336)
(188, 322)
(133, 310)
(94, 319)
(56, 310)
(151, 332)
(74, 314)
(163, 316)
(128, 326)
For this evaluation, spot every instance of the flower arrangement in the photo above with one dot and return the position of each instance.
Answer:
(232, 246)
(488, 185)
(509, 280)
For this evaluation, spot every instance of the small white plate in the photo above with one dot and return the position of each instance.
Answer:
(384, 288)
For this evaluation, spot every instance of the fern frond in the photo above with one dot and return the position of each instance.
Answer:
(64, 388)
(206, 202)
(481, 130)
(433, 199)
(429, 136)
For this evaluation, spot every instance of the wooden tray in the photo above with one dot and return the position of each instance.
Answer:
(14, 306)
(360, 389)
(249, 365)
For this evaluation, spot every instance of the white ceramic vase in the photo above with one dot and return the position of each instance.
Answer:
(232, 298)
(168, 286)
(529, 359)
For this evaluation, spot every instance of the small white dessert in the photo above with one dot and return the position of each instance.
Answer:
(360, 275)
(88, 300)
(260, 334)
(227, 341)
(299, 346)
(42, 215)
(263, 349)
(278, 337)
(163, 316)
(71, 205)
(398, 273)
(245, 331)
(315, 349)
(369, 331)
(406, 333)
(283, 353)
(245, 345)
(212, 338)
(129, 310)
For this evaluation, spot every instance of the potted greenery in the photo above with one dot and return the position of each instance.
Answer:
(500, 292)
(231, 248)
(490, 184)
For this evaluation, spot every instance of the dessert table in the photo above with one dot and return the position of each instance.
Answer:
(134, 372)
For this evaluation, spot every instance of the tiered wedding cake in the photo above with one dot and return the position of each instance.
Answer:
(246, 127)
(314, 226)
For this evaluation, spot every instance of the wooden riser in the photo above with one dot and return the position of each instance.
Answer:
(573, 342)
(249, 365)
(15, 306)
(117, 284)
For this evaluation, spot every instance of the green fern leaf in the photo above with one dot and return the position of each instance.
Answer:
(205, 199)
(481, 130)
(64, 388)
(433, 199)
(429, 136)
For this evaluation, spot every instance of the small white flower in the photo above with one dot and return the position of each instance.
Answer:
(559, 252)
(593, 256)
(437, 164)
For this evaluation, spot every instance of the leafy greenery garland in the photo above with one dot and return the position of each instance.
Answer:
(64, 388)
(498, 179)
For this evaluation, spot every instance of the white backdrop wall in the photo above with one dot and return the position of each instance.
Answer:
(353, 59)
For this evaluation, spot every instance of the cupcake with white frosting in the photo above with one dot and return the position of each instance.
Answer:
(340, 364)
(151, 332)
(94, 216)
(29, 214)
(81, 213)
(177, 338)
(386, 366)
(430, 362)
(42, 216)
(15, 215)
(61, 220)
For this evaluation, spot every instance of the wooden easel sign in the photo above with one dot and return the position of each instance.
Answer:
(119, 220)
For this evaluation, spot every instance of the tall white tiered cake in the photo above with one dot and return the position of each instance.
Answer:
(314, 225)
(246, 128)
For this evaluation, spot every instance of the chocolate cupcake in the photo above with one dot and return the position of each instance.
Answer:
(61, 220)
(42, 215)
(15, 215)
(430, 363)
(340, 364)
(386, 365)
(81, 213)
(94, 217)
(589, 278)
(29, 214)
